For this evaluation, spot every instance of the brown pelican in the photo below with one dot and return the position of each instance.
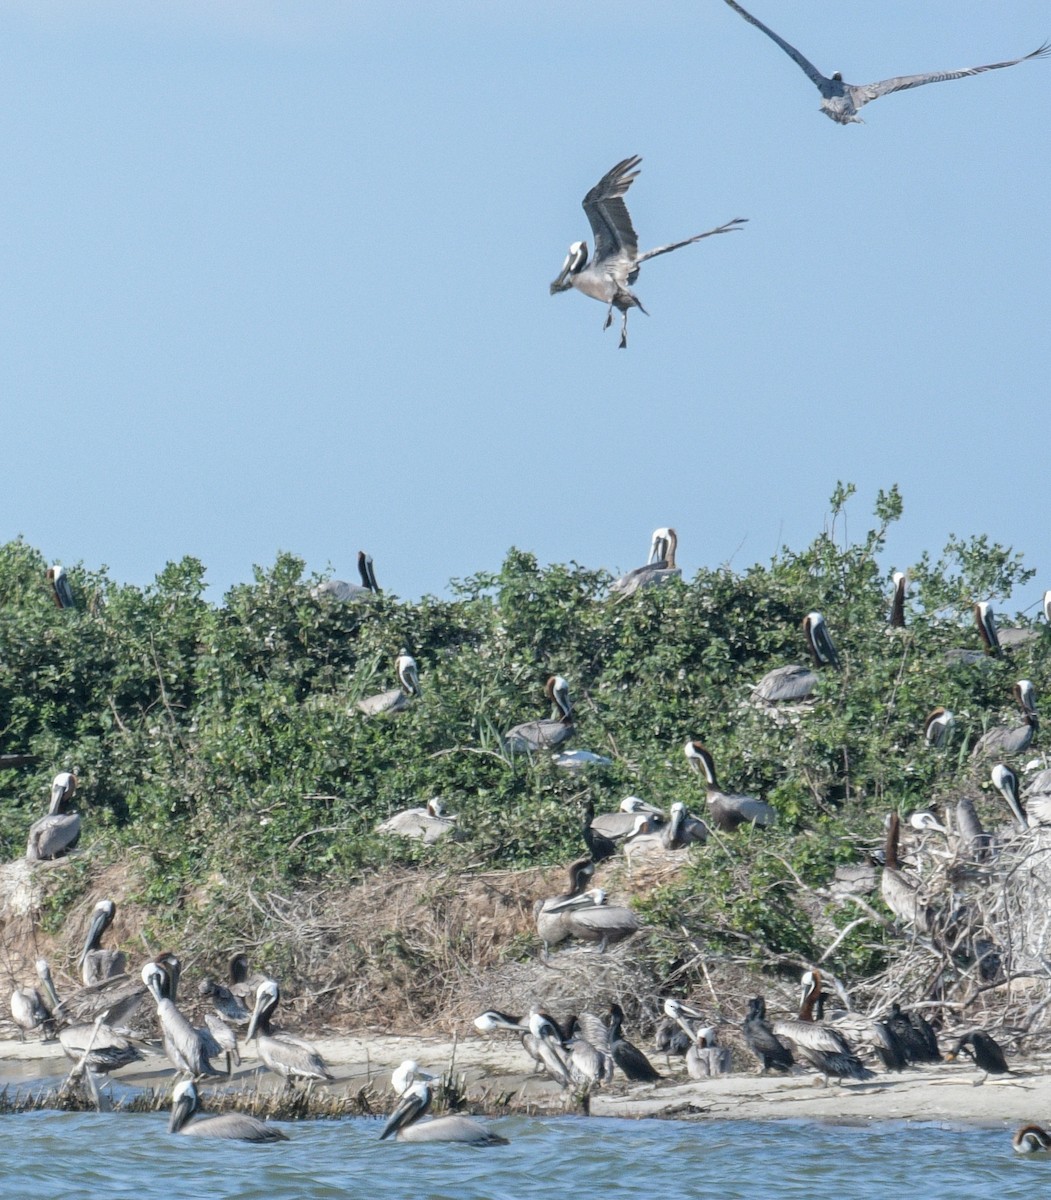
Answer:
(544, 1044)
(761, 1040)
(660, 568)
(674, 1034)
(897, 601)
(184, 1045)
(1046, 606)
(109, 1050)
(405, 1122)
(938, 727)
(878, 1036)
(397, 698)
(627, 1056)
(589, 918)
(706, 1059)
(549, 733)
(1006, 739)
(615, 265)
(825, 1048)
(795, 682)
(841, 101)
(987, 1054)
(225, 1041)
(1031, 1139)
(579, 760)
(902, 897)
(426, 825)
(340, 589)
(552, 924)
(590, 1058)
(226, 1004)
(728, 810)
(405, 1075)
(60, 589)
(1038, 811)
(97, 965)
(29, 1012)
(974, 840)
(289, 1056)
(620, 824)
(59, 831)
(237, 1127)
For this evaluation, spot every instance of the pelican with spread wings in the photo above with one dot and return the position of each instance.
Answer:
(841, 101)
(616, 261)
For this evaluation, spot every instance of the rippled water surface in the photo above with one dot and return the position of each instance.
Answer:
(81, 1155)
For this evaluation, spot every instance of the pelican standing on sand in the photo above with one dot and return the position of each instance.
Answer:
(615, 264)
(728, 810)
(183, 1044)
(405, 1123)
(548, 733)
(238, 1127)
(291, 1057)
(59, 831)
(840, 101)
(29, 1012)
(823, 1047)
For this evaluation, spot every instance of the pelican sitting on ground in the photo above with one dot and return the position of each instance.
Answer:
(341, 590)
(796, 682)
(841, 101)
(660, 568)
(60, 589)
(426, 825)
(397, 698)
(622, 823)
(549, 733)
(727, 810)
(187, 1050)
(405, 1122)
(616, 262)
(589, 918)
(1007, 739)
(59, 831)
(289, 1056)
(238, 1127)
(97, 964)
(552, 923)
(938, 727)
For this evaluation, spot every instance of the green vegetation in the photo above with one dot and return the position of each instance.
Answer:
(219, 750)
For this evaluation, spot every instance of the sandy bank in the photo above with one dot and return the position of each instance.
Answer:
(499, 1071)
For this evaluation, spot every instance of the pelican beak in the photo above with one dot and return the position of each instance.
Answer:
(560, 284)
(256, 1013)
(98, 924)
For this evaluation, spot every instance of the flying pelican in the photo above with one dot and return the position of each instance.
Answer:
(340, 589)
(987, 1054)
(405, 1122)
(627, 1056)
(184, 1045)
(549, 733)
(728, 811)
(97, 965)
(289, 1056)
(615, 265)
(237, 1127)
(59, 831)
(1007, 739)
(660, 568)
(397, 698)
(60, 589)
(620, 824)
(825, 1048)
(426, 825)
(590, 919)
(841, 101)
(897, 601)
(938, 727)
(796, 682)
(552, 924)
(902, 897)
(1031, 1139)
(762, 1041)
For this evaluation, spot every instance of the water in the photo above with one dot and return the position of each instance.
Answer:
(85, 1156)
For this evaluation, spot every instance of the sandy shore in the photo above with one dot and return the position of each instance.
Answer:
(493, 1069)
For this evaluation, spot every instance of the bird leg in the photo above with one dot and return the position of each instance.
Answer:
(624, 331)
(609, 318)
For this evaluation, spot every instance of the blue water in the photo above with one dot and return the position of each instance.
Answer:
(85, 1156)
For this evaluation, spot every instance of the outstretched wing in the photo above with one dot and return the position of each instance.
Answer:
(608, 214)
(863, 93)
(819, 80)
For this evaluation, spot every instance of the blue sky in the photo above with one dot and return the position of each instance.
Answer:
(275, 277)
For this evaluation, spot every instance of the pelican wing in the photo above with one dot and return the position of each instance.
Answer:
(608, 214)
(820, 81)
(238, 1127)
(864, 93)
(605, 919)
(729, 227)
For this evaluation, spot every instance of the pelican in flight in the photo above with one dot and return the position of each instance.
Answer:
(238, 1127)
(59, 831)
(551, 732)
(96, 964)
(340, 589)
(60, 589)
(289, 1056)
(405, 1122)
(658, 569)
(397, 698)
(616, 261)
(841, 101)
(728, 811)
(796, 682)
